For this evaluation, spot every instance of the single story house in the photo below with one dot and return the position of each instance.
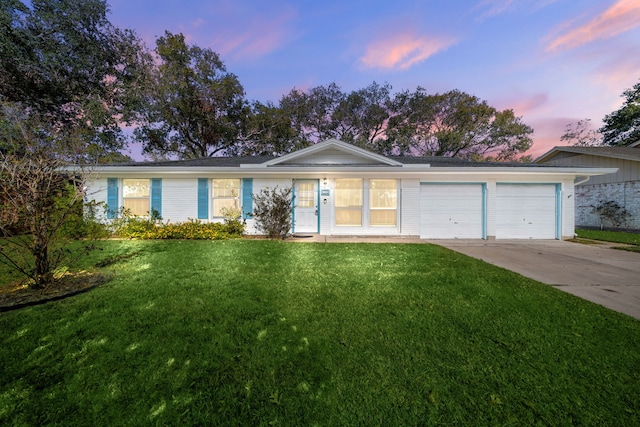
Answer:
(340, 189)
(622, 187)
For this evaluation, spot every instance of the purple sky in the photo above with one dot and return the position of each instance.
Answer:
(552, 61)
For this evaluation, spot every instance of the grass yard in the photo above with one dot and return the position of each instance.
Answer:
(294, 334)
(610, 236)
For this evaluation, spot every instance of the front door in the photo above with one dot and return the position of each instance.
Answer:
(305, 206)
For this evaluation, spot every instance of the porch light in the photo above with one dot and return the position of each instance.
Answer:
(324, 181)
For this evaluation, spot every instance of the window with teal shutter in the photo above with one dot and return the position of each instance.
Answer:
(203, 198)
(156, 196)
(247, 197)
(112, 197)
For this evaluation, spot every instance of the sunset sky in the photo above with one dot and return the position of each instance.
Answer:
(552, 61)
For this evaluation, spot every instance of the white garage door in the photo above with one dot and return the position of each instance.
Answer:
(452, 211)
(526, 211)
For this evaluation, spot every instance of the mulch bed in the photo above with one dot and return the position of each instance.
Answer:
(18, 295)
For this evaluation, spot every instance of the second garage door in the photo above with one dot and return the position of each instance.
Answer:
(452, 211)
(526, 211)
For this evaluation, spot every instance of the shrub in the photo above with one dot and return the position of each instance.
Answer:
(149, 229)
(611, 211)
(272, 211)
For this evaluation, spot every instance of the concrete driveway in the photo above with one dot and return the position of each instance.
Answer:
(597, 273)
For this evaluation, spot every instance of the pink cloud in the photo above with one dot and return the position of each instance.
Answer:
(524, 104)
(402, 51)
(259, 37)
(494, 7)
(623, 16)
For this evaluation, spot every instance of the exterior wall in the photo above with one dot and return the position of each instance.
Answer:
(628, 170)
(410, 207)
(622, 187)
(179, 199)
(588, 196)
(97, 190)
(331, 157)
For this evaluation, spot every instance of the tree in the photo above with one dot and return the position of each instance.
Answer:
(37, 201)
(456, 124)
(64, 61)
(268, 133)
(622, 127)
(194, 107)
(581, 134)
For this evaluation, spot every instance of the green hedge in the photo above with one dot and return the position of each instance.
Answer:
(148, 229)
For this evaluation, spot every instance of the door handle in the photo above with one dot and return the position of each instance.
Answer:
(316, 212)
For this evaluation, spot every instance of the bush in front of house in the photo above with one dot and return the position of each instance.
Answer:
(152, 228)
(272, 211)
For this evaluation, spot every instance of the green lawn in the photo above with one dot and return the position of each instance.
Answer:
(272, 333)
(610, 236)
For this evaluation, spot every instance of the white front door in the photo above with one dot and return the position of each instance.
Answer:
(305, 206)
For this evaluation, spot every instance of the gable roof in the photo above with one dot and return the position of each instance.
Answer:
(625, 153)
(357, 155)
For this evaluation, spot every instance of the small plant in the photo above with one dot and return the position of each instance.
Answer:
(233, 219)
(272, 211)
(612, 212)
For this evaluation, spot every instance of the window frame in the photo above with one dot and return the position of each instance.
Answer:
(236, 197)
(380, 209)
(351, 208)
(147, 197)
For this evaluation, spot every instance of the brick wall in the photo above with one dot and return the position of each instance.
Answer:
(626, 194)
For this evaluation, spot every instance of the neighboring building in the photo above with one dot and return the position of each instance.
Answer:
(340, 189)
(622, 187)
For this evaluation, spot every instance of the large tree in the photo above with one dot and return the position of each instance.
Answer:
(622, 127)
(453, 124)
(456, 124)
(65, 62)
(194, 107)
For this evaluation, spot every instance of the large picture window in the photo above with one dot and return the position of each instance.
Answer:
(383, 202)
(226, 195)
(349, 202)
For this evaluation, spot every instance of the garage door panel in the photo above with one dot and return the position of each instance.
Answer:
(451, 211)
(526, 211)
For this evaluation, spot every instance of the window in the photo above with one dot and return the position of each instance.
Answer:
(349, 202)
(383, 202)
(226, 194)
(135, 196)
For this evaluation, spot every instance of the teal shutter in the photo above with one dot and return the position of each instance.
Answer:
(247, 197)
(156, 196)
(203, 198)
(112, 197)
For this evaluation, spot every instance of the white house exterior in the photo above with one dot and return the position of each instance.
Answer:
(340, 189)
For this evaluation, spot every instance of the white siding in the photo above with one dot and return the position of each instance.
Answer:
(410, 207)
(258, 185)
(97, 191)
(330, 157)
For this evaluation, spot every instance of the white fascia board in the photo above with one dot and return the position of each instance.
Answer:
(261, 171)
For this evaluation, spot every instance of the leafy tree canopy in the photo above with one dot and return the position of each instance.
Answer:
(453, 124)
(194, 107)
(64, 61)
(622, 127)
